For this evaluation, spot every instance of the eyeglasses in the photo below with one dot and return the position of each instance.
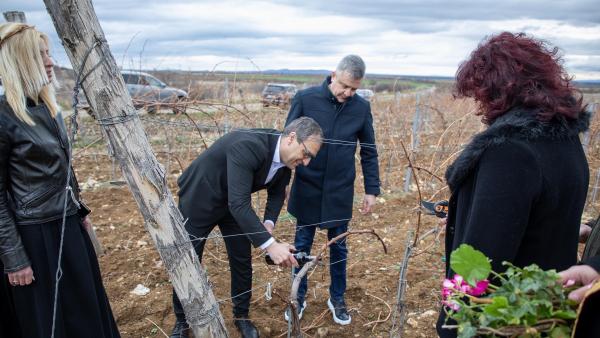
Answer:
(306, 152)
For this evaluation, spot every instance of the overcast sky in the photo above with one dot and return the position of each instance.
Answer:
(420, 37)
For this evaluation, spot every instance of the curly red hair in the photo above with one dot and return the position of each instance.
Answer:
(509, 70)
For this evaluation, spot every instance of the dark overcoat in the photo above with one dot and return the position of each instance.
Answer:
(518, 192)
(324, 190)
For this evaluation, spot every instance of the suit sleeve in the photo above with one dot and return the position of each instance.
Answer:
(507, 182)
(243, 159)
(296, 109)
(13, 254)
(368, 156)
(276, 196)
(594, 262)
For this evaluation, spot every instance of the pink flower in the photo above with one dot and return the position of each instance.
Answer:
(452, 304)
(458, 284)
(479, 288)
(447, 288)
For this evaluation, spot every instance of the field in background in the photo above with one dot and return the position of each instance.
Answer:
(421, 115)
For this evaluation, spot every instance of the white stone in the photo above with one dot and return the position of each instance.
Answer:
(412, 322)
(140, 290)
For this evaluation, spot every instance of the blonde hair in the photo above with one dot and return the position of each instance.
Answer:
(22, 70)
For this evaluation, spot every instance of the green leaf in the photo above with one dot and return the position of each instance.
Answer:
(560, 332)
(498, 304)
(472, 264)
(466, 330)
(565, 314)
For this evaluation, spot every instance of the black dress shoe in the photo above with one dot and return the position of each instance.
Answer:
(180, 330)
(247, 329)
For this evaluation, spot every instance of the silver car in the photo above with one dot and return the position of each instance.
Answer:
(278, 94)
(151, 93)
(366, 94)
(147, 92)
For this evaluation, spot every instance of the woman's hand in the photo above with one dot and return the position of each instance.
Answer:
(579, 275)
(22, 277)
(87, 224)
(584, 232)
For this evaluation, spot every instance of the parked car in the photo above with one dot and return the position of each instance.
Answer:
(278, 94)
(366, 94)
(151, 93)
(148, 92)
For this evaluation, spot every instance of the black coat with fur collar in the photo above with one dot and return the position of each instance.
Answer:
(518, 191)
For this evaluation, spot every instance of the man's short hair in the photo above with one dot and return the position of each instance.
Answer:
(305, 128)
(353, 65)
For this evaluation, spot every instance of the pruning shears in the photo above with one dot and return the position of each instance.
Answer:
(439, 209)
(301, 257)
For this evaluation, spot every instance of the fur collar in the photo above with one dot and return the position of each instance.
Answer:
(517, 124)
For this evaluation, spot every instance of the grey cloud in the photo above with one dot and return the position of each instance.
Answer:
(22, 5)
(587, 68)
(399, 12)
(248, 46)
(161, 33)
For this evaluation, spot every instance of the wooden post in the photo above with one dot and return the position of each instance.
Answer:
(15, 16)
(416, 127)
(79, 30)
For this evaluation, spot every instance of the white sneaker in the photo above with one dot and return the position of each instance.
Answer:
(340, 314)
(286, 315)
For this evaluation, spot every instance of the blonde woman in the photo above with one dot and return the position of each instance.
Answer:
(34, 166)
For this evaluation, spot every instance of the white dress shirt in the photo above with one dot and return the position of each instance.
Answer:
(275, 165)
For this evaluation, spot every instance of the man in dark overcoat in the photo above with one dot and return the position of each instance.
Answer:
(322, 193)
(216, 190)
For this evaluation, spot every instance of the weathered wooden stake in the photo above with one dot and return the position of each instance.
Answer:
(80, 32)
(416, 127)
(14, 16)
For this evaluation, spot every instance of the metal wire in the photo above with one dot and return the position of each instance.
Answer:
(68, 189)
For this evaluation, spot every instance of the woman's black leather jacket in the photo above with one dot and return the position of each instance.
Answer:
(33, 174)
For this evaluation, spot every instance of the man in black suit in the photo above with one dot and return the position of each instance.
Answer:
(216, 190)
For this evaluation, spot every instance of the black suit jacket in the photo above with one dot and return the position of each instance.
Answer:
(224, 176)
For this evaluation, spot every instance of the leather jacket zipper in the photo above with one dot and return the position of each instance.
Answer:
(36, 201)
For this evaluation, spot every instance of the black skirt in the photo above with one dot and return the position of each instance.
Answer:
(83, 309)
(9, 326)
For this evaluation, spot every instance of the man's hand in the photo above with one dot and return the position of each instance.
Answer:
(22, 277)
(584, 232)
(281, 254)
(269, 225)
(368, 204)
(582, 275)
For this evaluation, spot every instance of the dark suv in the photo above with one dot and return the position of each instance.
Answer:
(278, 94)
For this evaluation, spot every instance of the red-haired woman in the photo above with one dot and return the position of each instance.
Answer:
(519, 187)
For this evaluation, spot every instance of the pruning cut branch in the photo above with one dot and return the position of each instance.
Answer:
(427, 171)
(293, 301)
(420, 196)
